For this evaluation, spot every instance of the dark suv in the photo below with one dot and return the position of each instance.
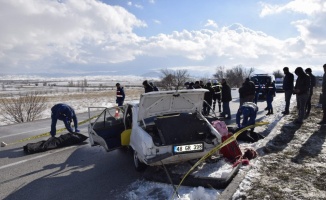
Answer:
(262, 80)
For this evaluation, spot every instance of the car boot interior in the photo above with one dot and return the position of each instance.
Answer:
(178, 129)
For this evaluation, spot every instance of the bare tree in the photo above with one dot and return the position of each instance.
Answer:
(236, 76)
(278, 74)
(220, 73)
(173, 79)
(23, 108)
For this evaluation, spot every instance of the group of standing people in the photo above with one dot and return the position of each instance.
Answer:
(218, 93)
(303, 89)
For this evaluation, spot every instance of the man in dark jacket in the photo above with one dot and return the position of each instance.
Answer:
(288, 89)
(66, 114)
(301, 89)
(226, 98)
(249, 88)
(312, 85)
(120, 95)
(217, 95)
(147, 87)
(197, 85)
(208, 97)
(323, 121)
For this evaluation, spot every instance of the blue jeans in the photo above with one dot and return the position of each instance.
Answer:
(226, 109)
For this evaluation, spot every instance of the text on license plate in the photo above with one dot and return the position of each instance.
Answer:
(188, 148)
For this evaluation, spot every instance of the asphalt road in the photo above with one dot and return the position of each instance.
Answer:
(74, 172)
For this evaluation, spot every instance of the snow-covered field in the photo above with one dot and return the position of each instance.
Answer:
(81, 100)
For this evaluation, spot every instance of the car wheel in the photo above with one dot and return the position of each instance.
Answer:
(139, 166)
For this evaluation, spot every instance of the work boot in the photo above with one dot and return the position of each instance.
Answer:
(285, 112)
(269, 112)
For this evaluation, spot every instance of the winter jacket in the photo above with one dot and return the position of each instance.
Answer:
(120, 95)
(270, 89)
(66, 114)
(288, 81)
(312, 83)
(249, 88)
(324, 84)
(302, 83)
(208, 96)
(226, 93)
(250, 117)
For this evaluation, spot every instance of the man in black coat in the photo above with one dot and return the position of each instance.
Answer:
(288, 82)
(323, 121)
(226, 98)
(312, 85)
(301, 89)
(147, 87)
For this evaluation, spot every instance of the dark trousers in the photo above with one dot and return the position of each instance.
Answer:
(226, 109)
(324, 107)
(269, 100)
(288, 94)
(301, 101)
(308, 105)
(207, 107)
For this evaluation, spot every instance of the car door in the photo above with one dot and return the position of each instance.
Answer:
(107, 128)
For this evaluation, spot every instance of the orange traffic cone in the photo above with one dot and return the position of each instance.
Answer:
(116, 113)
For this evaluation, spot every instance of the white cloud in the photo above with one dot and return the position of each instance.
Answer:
(76, 31)
(139, 6)
(156, 21)
(211, 23)
(308, 7)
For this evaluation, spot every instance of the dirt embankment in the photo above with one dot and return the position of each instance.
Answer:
(293, 162)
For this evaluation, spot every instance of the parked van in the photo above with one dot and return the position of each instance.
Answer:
(261, 79)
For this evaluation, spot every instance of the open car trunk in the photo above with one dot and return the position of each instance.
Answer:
(179, 129)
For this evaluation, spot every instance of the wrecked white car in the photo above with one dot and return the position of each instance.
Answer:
(162, 128)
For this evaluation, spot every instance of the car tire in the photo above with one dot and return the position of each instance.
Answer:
(139, 166)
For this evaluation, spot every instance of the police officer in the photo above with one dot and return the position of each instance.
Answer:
(208, 97)
(64, 113)
(120, 95)
(248, 111)
(217, 95)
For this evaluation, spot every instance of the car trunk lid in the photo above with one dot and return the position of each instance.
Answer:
(170, 102)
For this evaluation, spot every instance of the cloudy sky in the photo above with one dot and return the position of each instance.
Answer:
(113, 37)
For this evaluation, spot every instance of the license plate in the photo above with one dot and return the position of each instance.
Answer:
(188, 148)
